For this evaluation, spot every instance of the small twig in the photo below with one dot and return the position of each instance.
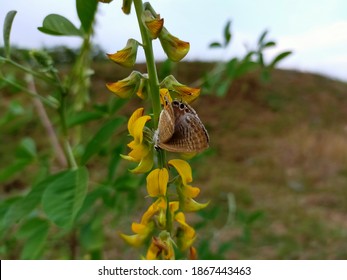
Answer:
(44, 100)
(59, 152)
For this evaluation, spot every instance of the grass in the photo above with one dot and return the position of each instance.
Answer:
(281, 148)
(278, 149)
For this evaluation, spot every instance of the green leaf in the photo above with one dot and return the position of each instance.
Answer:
(262, 38)
(63, 197)
(58, 25)
(278, 58)
(114, 162)
(7, 31)
(25, 205)
(92, 234)
(86, 12)
(249, 55)
(104, 134)
(26, 149)
(117, 103)
(90, 199)
(269, 44)
(35, 233)
(83, 117)
(5, 205)
(227, 34)
(231, 66)
(261, 59)
(245, 67)
(17, 166)
(215, 45)
(223, 88)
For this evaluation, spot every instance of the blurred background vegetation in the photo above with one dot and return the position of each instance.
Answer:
(275, 174)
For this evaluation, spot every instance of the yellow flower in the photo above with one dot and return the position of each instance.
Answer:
(146, 226)
(141, 231)
(153, 209)
(186, 235)
(127, 87)
(179, 90)
(153, 23)
(127, 56)
(174, 48)
(161, 248)
(164, 93)
(141, 150)
(186, 193)
(142, 91)
(157, 182)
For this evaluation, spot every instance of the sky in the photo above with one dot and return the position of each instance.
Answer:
(315, 30)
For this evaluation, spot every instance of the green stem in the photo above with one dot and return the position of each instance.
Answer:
(44, 100)
(27, 70)
(151, 68)
(152, 74)
(67, 147)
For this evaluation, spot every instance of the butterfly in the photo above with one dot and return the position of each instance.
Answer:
(180, 130)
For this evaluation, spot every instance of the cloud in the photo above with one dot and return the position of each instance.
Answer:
(319, 38)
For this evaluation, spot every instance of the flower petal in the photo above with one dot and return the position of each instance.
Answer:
(153, 23)
(127, 56)
(128, 86)
(190, 205)
(121, 88)
(192, 253)
(139, 152)
(138, 126)
(145, 164)
(174, 48)
(153, 209)
(180, 91)
(190, 191)
(153, 251)
(184, 170)
(134, 117)
(187, 234)
(138, 239)
(157, 182)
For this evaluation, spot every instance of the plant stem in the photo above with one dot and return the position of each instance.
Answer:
(152, 74)
(151, 68)
(27, 70)
(67, 147)
(43, 99)
(47, 124)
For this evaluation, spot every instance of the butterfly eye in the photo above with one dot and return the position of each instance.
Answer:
(182, 106)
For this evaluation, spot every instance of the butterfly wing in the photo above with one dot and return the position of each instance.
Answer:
(166, 125)
(189, 134)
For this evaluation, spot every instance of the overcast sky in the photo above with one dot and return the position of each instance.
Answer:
(315, 30)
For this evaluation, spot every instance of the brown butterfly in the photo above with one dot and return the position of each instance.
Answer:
(180, 130)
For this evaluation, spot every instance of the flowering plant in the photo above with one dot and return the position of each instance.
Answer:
(164, 223)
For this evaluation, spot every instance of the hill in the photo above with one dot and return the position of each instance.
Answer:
(276, 172)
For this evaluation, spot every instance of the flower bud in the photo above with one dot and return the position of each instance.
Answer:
(142, 91)
(174, 48)
(126, 8)
(179, 90)
(154, 24)
(42, 58)
(127, 56)
(127, 87)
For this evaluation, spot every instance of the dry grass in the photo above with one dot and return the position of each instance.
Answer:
(280, 148)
